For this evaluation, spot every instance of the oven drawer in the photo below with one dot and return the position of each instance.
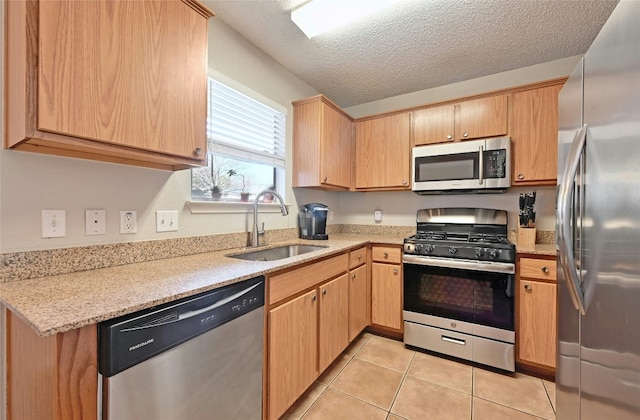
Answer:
(438, 340)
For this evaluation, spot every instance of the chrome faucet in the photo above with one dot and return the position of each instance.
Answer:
(256, 232)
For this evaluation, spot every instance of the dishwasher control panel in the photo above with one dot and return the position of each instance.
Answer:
(133, 338)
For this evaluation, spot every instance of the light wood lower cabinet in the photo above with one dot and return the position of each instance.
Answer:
(386, 295)
(386, 287)
(53, 377)
(292, 351)
(333, 325)
(358, 314)
(307, 333)
(536, 309)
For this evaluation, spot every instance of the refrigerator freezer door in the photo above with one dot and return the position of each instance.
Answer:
(610, 329)
(568, 364)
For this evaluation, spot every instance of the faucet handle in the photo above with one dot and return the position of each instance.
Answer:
(261, 232)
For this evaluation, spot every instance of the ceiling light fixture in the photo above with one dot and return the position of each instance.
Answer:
(319, 16)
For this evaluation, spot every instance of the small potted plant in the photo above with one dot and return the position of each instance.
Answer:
(216, 193)
(244, 196)
(268, 198)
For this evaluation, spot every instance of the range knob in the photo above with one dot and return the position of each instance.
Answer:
(453, 250)
(493, 253)
(418, 248)
(479, 252)
(428, 248)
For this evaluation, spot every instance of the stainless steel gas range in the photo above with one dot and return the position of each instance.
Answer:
(459, 285)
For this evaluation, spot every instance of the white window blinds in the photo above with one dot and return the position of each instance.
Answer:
(241, 127)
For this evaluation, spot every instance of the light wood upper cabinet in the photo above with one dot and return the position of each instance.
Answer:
(383, 153)
(334, 320)
(433, 125)
(322, 144)
(536, 328)
(114, 81)
(534, 135)
(478, 118)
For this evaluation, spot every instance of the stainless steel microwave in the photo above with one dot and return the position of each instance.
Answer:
(469, 166)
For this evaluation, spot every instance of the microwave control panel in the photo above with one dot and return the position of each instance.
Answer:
(495, 162)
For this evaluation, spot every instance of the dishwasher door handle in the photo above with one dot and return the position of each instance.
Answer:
(191, 314)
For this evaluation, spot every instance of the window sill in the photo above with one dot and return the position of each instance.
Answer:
(230, 207)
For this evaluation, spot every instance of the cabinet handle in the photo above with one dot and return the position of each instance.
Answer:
(313, 298)
(404, 182)
(198, 151)
(465, 135)
(324, 292)
(545, 269)
(520, 176)
(449, 136)
(395, 271)
(386, 255)
(353, 276)
(359, 257)
(325, 179)
(527, 287)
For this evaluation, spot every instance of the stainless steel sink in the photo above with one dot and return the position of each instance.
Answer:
(273, 254)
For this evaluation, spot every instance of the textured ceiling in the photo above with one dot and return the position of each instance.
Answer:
(418, 44)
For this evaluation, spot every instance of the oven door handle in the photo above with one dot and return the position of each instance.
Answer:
(488, 266)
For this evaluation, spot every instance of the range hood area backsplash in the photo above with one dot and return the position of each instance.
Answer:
(399, 208)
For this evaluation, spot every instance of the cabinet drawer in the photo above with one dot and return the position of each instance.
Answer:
(357, 257)
(538, 269)
(291, 282)
(387, 254)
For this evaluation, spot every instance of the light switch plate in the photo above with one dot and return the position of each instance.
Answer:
(54, 223)
(377, 216)
(167, 221)
(95, 222)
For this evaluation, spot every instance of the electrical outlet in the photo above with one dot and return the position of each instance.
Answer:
(377, 216)
(128, 221)
(95, 222)
(53, 223)
(167, 221)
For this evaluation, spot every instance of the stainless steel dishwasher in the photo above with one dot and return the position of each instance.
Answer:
(197, 358)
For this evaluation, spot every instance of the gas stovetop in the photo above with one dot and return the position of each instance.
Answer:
(461, 233)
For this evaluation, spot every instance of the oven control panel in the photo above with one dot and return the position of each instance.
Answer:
(468, 252)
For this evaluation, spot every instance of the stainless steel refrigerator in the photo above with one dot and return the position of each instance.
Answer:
(598, 227)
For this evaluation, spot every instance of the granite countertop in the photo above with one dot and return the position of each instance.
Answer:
(537, 249)
(56, 304)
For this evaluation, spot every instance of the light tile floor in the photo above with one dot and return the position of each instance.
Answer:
(378, 378)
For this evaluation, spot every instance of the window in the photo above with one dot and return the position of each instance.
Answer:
(246, 147)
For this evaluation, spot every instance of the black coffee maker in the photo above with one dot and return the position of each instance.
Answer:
(312, 221)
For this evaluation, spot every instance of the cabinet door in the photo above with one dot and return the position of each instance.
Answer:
(433, 125)
(335, 151)
(537, 322)
(480, 118)
(386, 295)
(534, 132)
(358, 319)
(292, 351)
(130, 73)
(383, 153)
(334, 320)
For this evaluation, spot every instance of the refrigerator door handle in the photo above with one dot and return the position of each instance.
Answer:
(565, 242)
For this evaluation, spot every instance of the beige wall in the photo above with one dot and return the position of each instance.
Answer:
(30, 182)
